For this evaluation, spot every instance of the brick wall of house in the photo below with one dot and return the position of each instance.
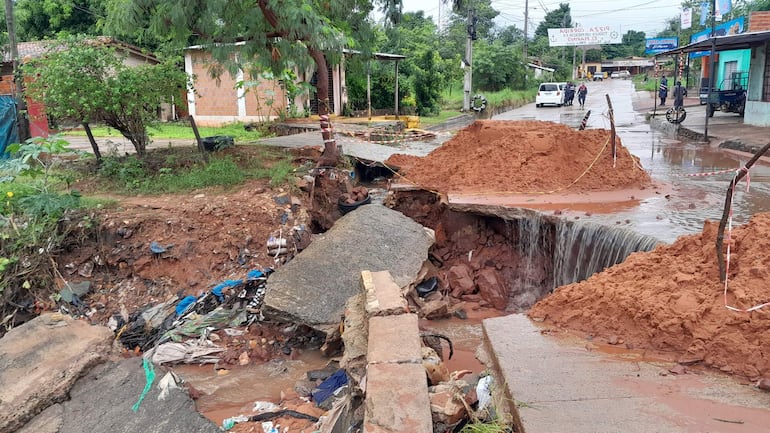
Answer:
(258, 99)
(759, 21)
(214, 97)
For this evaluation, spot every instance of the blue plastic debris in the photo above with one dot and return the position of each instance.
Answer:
(254, 274)
(217, 290)
(182, 306)
(156, 248)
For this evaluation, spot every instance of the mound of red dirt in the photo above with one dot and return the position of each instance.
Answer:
(670, 299)
(527, 156)
(402, 162)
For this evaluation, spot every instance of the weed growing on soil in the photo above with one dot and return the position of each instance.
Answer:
(490, 427)
(35, 218)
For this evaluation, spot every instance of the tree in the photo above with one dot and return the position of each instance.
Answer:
(88, 81)
(270, 34)
(557, 18)
(48, 19)
(498, 66)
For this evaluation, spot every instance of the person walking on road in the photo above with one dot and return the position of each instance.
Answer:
(582, 92)
(663, 90)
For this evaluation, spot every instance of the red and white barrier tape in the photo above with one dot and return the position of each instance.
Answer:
(708, 173)
(729, 245)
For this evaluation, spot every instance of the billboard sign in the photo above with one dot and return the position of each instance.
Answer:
(659, 45)
(580, 36)
(732, 27)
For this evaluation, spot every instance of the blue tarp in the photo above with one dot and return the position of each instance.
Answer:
(8, 132)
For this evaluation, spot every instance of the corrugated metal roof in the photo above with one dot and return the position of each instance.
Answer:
(723, 43)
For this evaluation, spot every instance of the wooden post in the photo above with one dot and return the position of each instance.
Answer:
(728, 204)
(612, 131)
(91, 140)
(201, 149)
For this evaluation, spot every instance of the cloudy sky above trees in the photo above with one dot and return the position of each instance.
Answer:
(648, 16)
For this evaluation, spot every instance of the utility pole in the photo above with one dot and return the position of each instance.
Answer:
(526, 20)
(21, 105)
(467, 87)
(712, 67)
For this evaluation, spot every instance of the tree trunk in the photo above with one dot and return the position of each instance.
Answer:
(91, 140)
(330, 155)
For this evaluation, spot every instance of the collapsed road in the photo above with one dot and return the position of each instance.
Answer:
(483, 258)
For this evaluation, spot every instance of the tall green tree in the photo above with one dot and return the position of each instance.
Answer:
(497, 66)
(49, 19)
(557, 18)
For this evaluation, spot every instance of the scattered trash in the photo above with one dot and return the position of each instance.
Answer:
(189, 352)
(427, 287)
(156, 248)
(265, 406)
(72, 290)
(167, 383)
(229, 423)
(484, 392)
(329, 387)
(149, 374)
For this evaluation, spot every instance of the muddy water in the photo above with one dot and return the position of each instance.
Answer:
(234, 393)
(466, 335)
(687, 200)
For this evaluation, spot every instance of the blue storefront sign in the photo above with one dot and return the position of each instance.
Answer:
(732, 27)
(659, 45)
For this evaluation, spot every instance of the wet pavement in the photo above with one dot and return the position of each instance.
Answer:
(558, 383)
(684, 200)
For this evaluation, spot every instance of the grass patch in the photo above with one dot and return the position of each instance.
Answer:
(442, 117)
(177, 130)
(640, 85)
(175, 170)
(454, 100)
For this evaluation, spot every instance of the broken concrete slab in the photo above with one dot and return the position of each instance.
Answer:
(394, 339)
(101, 402)
(397, 399)
(312, 288)
(383, 295)
(41, 360)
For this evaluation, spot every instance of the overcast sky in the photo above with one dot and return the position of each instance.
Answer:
(648, 16)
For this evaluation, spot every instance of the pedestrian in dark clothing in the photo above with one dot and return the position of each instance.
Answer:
(663, 90)
(569, 93)
(582, 92)
(679, 94)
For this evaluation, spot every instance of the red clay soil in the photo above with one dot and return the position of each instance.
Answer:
(526, 156)
(671, 300)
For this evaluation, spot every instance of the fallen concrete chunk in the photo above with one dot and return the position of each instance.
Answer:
(312, 289)
(383, 296)
(102, 402)
(41, 360)
(397, 399)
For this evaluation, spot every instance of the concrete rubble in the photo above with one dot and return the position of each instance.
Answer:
(328, 272)
(102, 402)
(40, 362)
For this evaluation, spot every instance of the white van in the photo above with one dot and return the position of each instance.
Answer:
(550, 93)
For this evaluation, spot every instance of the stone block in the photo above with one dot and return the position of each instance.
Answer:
(383, 295)
(397, 399)
(394, 339)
